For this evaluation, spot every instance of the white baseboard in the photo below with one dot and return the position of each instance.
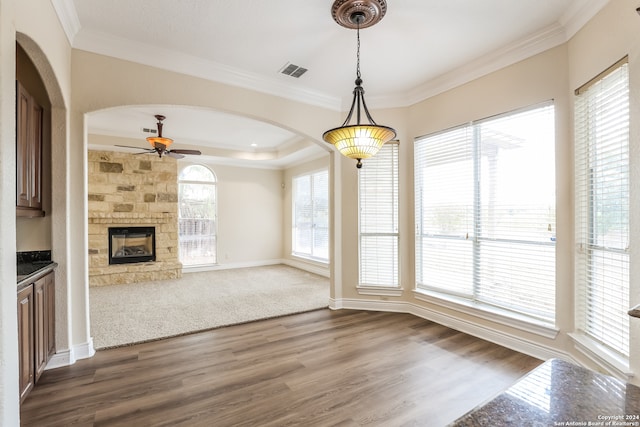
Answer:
(231, 265)
(497, 337)
(70, 356)
(371, 305)
(311, 268)
(513, 342)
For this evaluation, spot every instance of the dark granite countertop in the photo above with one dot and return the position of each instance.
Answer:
(559, 393)
(31, 266)
(36, 272)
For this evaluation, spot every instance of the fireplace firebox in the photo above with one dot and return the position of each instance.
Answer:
(132, 244)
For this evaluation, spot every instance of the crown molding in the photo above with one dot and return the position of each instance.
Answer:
(574, 18)
(153, 56)
(66, 11)
(510, 54)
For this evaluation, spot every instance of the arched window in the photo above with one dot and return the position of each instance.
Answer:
(197, 216)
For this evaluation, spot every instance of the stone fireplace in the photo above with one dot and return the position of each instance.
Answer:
(136, 192)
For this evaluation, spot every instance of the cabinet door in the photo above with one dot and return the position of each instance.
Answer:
(29, 116)
(50, 294)
(22, 147)
(35, 156)
(25, 341)
(41, 333)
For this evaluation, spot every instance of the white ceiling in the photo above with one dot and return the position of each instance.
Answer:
(420, 48)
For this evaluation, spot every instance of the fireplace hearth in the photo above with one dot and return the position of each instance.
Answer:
(132, 244)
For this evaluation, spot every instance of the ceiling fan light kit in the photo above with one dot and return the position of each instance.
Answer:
(161, 144)
(358, 141)
(153, 140)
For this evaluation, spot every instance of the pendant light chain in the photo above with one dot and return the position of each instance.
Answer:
(358, 91)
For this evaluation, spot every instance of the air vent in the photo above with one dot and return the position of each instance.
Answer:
(147, 130)
(293, 70)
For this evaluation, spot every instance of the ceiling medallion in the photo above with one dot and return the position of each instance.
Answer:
(369, 12)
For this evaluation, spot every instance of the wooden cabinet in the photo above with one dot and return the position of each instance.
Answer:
(26, 341)
(36, 330)
(28, 154)
(44, 306)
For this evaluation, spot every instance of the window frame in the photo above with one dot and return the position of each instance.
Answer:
(214, 235)
(592, 116)
(468, 301)
(295, 251)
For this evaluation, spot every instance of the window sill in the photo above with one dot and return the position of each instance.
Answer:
(387, 291)
(615, 364)
(489, 313)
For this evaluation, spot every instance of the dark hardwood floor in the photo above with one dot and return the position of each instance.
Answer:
(322, 368)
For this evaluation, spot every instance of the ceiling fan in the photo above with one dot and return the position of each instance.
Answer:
(160, 144)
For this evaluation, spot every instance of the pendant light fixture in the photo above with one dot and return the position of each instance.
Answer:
(358, 141)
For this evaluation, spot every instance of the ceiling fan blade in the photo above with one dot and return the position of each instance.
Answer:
(173, 154)
(147, 150)
(194, 152)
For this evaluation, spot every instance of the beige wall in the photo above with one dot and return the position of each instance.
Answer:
(249, 214)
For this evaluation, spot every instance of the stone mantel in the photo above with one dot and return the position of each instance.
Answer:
(131, 218)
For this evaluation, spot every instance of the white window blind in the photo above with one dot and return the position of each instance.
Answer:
(485, 212)
(444, 200)
(311, 216)
(602, 208)
(197, 216)
(378, 200)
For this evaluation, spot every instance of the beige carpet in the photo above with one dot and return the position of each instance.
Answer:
(127, 314)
